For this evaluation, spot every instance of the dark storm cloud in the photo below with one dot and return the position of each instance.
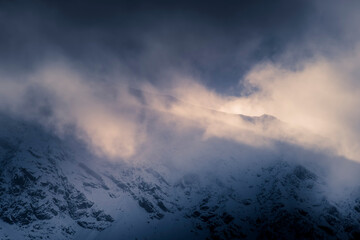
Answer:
(215, 40)
(68, 65)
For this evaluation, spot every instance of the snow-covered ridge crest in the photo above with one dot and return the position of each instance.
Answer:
(55, 188)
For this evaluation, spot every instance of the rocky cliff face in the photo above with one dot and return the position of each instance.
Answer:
(52, 188)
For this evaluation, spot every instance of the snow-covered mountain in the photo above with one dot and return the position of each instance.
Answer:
(55, 188)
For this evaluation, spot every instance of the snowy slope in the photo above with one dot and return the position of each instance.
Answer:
(54, 188)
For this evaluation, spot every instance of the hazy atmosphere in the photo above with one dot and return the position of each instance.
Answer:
(208, 89)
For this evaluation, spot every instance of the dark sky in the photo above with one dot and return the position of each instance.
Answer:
(216, 41)
(70, 63)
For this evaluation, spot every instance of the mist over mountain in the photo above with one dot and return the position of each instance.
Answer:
(180, 186)
(179, 120)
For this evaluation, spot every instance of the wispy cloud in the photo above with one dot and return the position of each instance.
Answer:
(320, 97)
(312, 97)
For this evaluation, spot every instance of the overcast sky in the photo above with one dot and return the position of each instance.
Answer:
(68, 64)
(218, 41)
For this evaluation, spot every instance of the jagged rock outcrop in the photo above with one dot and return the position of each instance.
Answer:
(51, 189)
